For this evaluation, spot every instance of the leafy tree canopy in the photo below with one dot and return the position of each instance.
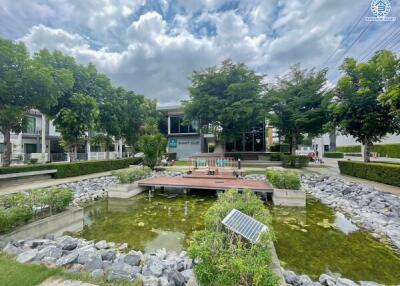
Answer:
(357, 110)
(225, 99)
(296, 104)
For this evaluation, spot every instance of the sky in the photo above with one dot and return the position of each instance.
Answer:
(153, 46)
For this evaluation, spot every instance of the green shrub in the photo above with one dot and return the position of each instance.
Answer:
(298, 161)
(349, 149)
(73, 169)
(378, 172)
(334, 155)
(18, 209)
(283, 148)
(226, 258)
(284, 179)
(277, 156)
(130, 175)
(390, 150)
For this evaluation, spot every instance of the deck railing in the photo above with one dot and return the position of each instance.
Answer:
(213, 162)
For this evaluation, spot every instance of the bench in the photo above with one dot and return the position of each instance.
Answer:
(22, 177)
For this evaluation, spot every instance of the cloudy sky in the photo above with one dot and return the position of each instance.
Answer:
(153, 46)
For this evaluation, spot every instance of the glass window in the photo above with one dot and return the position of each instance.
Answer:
(30, 124)
(2, 147)
(30, 148)
(175, 122)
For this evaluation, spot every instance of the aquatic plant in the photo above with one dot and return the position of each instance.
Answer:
(284, 179)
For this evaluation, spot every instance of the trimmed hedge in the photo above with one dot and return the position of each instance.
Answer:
(277, 156)
(391, 150)
(349, 149)
(378, 172)
(334, 155)
(298, 161)
(283, 179)
(73, 169)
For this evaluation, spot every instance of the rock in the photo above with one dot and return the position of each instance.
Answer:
(345, 282)
(161, 253)
(86, 253)
(68, 243)
(192, 282)
(155, 266)
(97, 273)
(133, 259)
(34, 243)
(149, 281)
(93, 263)
(187, 263)
(325, 279)
(177, 277)
(50, 261)
(27, 256)
(76, 268)
(11, 249)
(50, 251)
(122, 271)
(108, 254)
(123, 247)
(188, 274)
(68, 259)
(183, 254)
(102, 244)
(163, 281)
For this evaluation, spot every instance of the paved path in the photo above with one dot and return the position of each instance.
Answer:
(62, 282)
(48, 183)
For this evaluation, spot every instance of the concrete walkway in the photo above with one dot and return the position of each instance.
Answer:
(48, 183)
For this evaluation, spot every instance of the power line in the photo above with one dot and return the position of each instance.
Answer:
(346, 37)
(387, 38)
(355, 41)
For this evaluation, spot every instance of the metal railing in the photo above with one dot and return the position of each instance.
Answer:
(212, 162)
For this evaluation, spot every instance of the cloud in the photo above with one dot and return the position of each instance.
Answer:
(152, 47)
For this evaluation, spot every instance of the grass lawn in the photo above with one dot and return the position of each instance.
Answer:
(182, 163)
(13, 273)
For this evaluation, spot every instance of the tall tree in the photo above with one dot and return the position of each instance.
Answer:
(77, 108)
(225, 100)
(24, 84)
(357, 110)
(296, 104)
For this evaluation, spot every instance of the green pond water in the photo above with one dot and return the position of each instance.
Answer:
(311, 240)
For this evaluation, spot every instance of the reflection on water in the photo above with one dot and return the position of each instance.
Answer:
(147, 222)
(343, 224)
(316, 240)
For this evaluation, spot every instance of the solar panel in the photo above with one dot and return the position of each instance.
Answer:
(244, 225)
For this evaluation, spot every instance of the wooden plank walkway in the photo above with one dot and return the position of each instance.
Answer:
(205, 183)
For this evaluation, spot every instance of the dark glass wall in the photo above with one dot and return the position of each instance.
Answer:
(178, 127)
(253, 141)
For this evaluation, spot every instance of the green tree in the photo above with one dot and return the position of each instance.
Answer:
(296, 105)
(225, 100)
(82, 88)
(25, 83)
(389, 67)
(356, 110)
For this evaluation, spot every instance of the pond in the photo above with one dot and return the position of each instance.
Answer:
(311, 240)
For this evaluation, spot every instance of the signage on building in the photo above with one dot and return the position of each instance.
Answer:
(173, 143)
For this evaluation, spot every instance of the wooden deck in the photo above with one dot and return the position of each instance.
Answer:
(218, 182)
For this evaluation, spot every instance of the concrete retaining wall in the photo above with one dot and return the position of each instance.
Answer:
(289, 198)
(125, 191)
(69, 220)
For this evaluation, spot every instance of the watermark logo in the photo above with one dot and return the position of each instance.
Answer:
(380, 8)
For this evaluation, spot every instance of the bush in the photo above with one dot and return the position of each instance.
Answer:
(378, 172)
(277, 156)
(226, 258)
(65, 170)
(283, 148)
(349, 149)
(298, 161)
(130, 175)
(171, 156)
(153, 146)
(333, 155)
(18, 209)
(284, 179)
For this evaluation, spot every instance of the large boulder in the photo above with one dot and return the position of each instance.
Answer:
(176, 277)
(345, 282)
(67, 259)
(68, 243)
(133, 258)
(86, 253)
(108, 254)
(102, 244)
(27, 256)
(53, 251)
(149, 281)
(94, 263)
(11, 249)
(188, 274)
(122, 271)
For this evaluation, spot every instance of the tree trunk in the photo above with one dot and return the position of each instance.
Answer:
(107, 153)
(367, 151)
(332, 141)
(7, 149)
(75, 152)
(294, 144)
